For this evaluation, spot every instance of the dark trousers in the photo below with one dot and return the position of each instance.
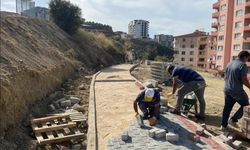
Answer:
(230, 100)
(149, 109)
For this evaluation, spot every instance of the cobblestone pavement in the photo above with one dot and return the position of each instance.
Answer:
(139, 138)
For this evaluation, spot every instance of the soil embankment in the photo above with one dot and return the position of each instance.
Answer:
(36, 58)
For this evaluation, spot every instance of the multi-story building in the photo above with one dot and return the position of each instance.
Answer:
(37, 13)
(232, 30)
(165, 40)
(138, 29)
(193, 50)
(22, 5)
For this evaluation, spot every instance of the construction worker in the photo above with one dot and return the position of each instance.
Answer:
(191, 82)
(235, 78)
(149, 103)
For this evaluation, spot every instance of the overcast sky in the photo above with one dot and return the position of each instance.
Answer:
(165, 16)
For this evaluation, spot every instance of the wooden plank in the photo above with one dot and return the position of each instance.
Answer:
(79, 120)
(55, 127)
(50, 135)
(45, 119)
(39, 137)
(61, 139)
(54, 123)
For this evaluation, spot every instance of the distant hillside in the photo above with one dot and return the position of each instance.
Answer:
(37, 56)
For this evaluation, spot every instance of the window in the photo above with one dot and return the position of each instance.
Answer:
(239, 13)
(237, 36)
(184, 40)
(183, 46)
(191, 59)
(182, 59)
(202, 59)
(219, 57)
(238, 24)
(221, 38)
(220, 48)
(237, 47)
(223, 7)
(191, 52)
(192, 46)
(221, 27)
(238, 2)
(183, 53)
(222, 17)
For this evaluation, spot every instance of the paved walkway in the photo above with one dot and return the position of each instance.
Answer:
(115, 91)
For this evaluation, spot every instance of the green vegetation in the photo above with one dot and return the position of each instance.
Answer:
(66, 15)
(99, 26)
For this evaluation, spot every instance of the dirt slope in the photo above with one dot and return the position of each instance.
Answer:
(36, 57)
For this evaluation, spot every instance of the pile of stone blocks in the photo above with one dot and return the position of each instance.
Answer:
(246, 122)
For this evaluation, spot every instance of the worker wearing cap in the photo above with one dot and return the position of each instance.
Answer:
(191, 82)
(149, 103)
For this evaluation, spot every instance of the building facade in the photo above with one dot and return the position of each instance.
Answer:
(22, 5)
(37, 13)
(138, 29)
(165, 40)
(193, 50)
(231, 30)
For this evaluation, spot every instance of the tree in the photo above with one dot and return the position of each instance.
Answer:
(66, 15)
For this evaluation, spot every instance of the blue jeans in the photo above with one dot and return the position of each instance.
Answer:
(230, 100)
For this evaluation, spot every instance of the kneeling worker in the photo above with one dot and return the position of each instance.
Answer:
(149, 103)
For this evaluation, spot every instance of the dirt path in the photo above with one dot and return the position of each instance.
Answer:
(115, 91)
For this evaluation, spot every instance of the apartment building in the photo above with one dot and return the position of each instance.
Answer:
(138, 29)
(165, 40)
(232, 30)
(192, 50)
(22, 5)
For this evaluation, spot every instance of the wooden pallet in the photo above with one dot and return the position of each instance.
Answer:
(55, 129)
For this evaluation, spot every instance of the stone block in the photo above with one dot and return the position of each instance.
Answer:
(66, 103)
(160, 133)
(225, 139)
(52, 107)
(125, 136)
(74, 100)
(151, 133)
(200, 131)
(204, 126)
(172, 137)
(237, 144)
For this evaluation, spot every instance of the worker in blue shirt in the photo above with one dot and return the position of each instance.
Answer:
(191, 82)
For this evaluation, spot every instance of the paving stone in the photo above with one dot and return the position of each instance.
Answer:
(151, 133)
(237, 144)
(225, 139)
(160, 133)
(125, 136)
(172, 137)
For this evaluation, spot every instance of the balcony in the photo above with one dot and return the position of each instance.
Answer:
(214, 33)
(215, 25)
(247, 3)
(247, 40)
(216, 5)
(247, 28)
(216, 15)
(247, 16)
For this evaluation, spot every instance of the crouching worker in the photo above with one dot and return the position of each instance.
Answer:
(149, 103)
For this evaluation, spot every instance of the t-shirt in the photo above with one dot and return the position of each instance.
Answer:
(186, 74)
(156, 98)
(233, 76)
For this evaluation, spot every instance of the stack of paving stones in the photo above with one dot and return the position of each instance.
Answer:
(169, 133)
(158, 72)
(246, 122)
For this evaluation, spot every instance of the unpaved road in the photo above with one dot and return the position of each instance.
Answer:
(115, 91)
